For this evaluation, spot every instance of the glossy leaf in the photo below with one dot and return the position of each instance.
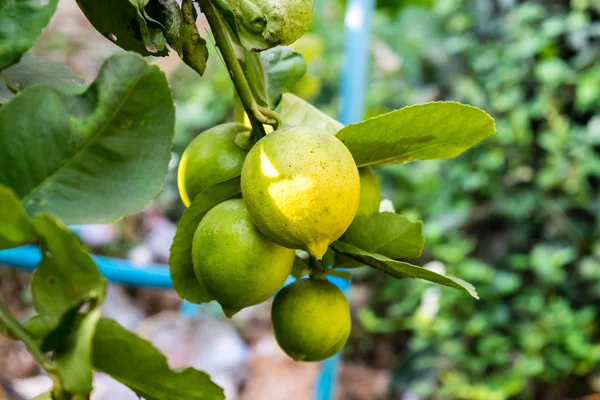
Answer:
(420, 132)
(119, 22)
(93, 157)
(170, 17)
(401, 270)
(15, 227)
(67, 276)
(134, 362)
(73, 359)
(34, 70)
(180, 261)
(386, 233)
(21, 22)
(294, 111)
(284, 68)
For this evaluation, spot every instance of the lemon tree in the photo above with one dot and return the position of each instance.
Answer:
(284, 177)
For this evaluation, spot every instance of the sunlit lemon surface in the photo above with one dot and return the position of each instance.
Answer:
(302, 188)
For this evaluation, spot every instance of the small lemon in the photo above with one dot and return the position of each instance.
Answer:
(311, 319)
(212, 158)
(370, 192)
(302, 188)
(236, 263)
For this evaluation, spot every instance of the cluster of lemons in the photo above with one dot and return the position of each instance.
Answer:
(301, 190)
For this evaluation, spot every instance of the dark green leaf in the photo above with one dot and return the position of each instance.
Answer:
(420, 132)
(401, 270)
(169, 15)
(180, 261)
(150, 28)
(15, 227)
(300, 268)
(136, 363)
(119, 22)
(21, 22)
(73, 359)
(284, 68)
(93, 157)
(195, 52)
(226, 13)
(295, 112)
(67, 276)
(33, 70)
(392, 235)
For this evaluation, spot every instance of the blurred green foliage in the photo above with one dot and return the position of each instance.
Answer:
(517, 216)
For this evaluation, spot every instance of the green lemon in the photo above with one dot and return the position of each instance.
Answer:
(212, 158)
(302, 188)
(311, 319)
(370, 192)
(236, 263)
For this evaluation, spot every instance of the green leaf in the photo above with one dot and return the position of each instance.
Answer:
(73, 359)
(284, 68)
(16, 228)
(34, 70)
(6, 94)
(195, 52)
(420, 132)
(134, 362)
(93, 157)
(67, 276)
(295, 112)
(21, 22)
(300, 268)
(119, 22)
(386, 233)
(180, 261)
(44, 396)
(170, 17)
(401, 270)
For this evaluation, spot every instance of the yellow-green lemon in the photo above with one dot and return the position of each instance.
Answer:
(236, 263)
(212, 158)
(302, 188)
(311, 319)
(370, 192)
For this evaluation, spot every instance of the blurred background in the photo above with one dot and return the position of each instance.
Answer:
(517, 216)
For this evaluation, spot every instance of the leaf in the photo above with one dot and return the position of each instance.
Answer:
(401, 270)
(284, 68)
(150, 28)
(300, 268)
(169, 15)
(134, 362)
(195, 52)
(421, 132)
(34, 70)
(180, 261)
(21, 22)
(295, 112)
(93, 157)
(73, 359)
(67, 276)
(117, 20)
(15, 227)
(386, 233)
(6, 94)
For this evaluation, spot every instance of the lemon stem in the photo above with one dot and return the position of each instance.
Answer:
(222, 39)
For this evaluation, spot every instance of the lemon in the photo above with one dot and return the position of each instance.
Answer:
(370, 192)
(311, 319)
(212, 158)
(236, 263)
(302, 188)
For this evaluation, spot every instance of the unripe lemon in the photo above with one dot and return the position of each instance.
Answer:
(311, 319)
(370, 192)
(236, 263)
(302, 188)
(212, 158)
